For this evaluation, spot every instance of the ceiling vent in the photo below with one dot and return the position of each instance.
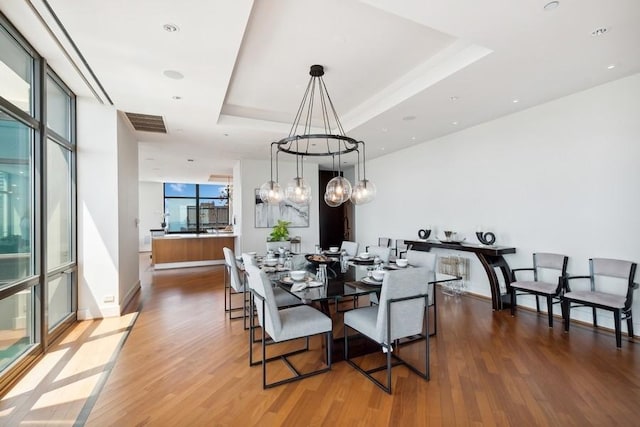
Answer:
(147, 122)
(219, 178)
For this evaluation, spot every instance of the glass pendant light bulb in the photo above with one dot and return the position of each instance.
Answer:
(339, 188)
(298, 191)
(271, 193)
(364, 192)
(331, 200)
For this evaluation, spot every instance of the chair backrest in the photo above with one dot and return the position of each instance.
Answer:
(380, 251)
(547, 261)
(350, 247)
(232, 268)
(406, 316)
(384, 242)
(259, 282)
(248, 260)
(275, 246)
(422, 259)
(401, 247)
(613, 276)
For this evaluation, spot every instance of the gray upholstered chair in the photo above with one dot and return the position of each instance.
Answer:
(383, 252)
(351, 248)
(400, 314)
(427, 260)
(385, 242)
(611, 288)
(542, 285)
(283, 298)
(285, 325)
(233, 284)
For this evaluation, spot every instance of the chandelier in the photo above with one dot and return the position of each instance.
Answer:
(330, 140)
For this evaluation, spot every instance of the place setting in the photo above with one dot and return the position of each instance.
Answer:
(374, 278)
(300, 280)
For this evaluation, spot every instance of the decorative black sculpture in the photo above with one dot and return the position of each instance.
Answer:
(487, 238)
(424, 233)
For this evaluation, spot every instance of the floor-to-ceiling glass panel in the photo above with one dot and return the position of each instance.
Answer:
(181, 214)
(16, 201)
(58, 205)
(16, 72)
(16, 315)
(58, 109)
(59, 298)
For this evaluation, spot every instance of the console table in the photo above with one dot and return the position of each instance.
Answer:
(489, 256)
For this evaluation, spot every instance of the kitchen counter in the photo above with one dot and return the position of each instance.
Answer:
(190, 250)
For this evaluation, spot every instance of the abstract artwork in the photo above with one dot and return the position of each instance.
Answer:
(268, 215)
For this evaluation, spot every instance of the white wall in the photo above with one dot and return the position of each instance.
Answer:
(253, 173)
(151, 198)
(562, 177)
(98, 209)
(128, 260)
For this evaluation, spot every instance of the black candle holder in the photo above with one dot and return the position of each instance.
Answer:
(424, 233)
(487, 238)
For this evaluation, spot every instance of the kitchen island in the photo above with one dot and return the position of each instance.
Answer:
(190, 250)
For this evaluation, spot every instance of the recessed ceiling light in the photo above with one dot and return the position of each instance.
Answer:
(454, 123)
(173, 74)
(190, 160)
(382, 149)
(177, 98)
(407, 118)
(551, 5)
(413, 138)
(599, 31)
(611, 66)
(453, 98)
(384, 130)
(516, 100)
(226, 134)
(171, 28)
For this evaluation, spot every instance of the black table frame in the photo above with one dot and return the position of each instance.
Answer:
(489, 256)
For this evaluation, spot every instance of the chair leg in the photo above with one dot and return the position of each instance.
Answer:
(550, 310)
(513, 302)
(630, 325)
(616, 320)
(566, 313)
(537, 304)
(595, 317)
(435, 312)
(227, 288)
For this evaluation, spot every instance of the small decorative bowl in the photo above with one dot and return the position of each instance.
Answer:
(298, 275)
(364, 255)
(270, 262)
(377, 274)
(334, 249)
(402, 262)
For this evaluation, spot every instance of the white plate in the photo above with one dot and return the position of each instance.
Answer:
(289, 281)
(371, 281)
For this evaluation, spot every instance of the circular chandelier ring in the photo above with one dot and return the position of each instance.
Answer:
(350, 144)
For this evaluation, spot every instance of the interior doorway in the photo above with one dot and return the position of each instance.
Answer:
(336, 224)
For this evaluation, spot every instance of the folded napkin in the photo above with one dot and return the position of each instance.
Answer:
(298, 286)
(314, 283)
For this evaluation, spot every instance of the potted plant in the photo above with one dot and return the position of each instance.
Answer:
(280, 231)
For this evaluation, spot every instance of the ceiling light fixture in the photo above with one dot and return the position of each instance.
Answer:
(611, 66)
(551, 5)
(599, 31)
(173, 74)
(337, 144)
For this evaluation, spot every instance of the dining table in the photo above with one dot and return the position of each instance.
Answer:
(343, 284)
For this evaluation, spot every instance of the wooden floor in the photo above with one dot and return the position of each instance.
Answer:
(185, 364)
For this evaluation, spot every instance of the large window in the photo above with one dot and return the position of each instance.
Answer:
(37, 204)
(195, 208)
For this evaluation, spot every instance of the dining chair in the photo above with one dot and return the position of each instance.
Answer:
(233, 284)
(427, 260)
(400, 314)
(276, 245)
(544, 265)
(351, 248)
(611, 288)
(383, 252)
(401, 248)
(384, 242)
(287, 324)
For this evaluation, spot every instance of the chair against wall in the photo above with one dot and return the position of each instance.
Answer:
(384, 242)
(611, 287)
(401, 248)
(543, 264)
(287, 324)
(233, 284)
(351, 248)
(427, 260)
(275, 246)
(401, 314)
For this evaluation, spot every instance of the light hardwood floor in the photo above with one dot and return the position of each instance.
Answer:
(185, 364)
